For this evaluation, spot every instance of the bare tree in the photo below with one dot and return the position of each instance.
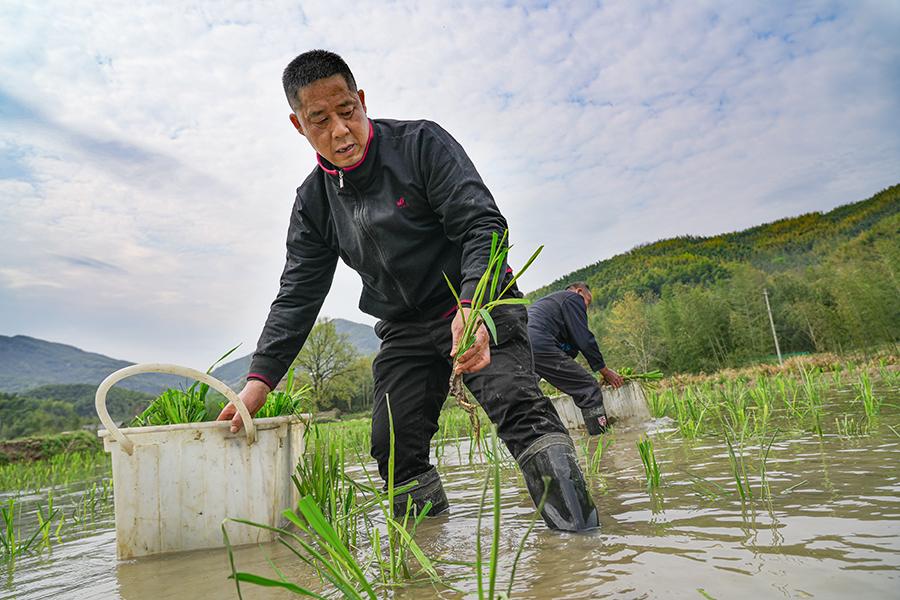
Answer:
(326, 359)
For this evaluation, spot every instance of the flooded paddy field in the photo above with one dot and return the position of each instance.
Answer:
(802, 504)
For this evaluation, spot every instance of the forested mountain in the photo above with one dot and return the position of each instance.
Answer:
(120, 403)
(693, 303)
(27, 362)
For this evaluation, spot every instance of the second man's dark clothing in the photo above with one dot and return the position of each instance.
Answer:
(569, 377)
(558, 328)
(412, 370)
(558, 323)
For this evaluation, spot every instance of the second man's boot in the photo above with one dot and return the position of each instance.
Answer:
(595, 420)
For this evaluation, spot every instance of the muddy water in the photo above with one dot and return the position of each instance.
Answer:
(830, 530)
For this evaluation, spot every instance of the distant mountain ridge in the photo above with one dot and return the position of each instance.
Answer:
(361, 336)
(27, 362)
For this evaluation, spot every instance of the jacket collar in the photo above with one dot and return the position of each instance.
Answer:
(357, 173)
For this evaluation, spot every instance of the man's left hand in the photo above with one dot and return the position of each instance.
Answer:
(479, 355)
(611, 377)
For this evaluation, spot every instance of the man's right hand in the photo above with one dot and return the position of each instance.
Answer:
(612, 378)
(253, 395)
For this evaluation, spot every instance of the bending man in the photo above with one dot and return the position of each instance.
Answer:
(558, 328)
(401, 203)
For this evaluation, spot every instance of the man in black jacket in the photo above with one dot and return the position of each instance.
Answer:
(401, 203)
(558, 328)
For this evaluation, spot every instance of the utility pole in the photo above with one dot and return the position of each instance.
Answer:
(772, 323)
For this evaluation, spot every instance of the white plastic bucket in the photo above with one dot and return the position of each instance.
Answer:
(175, 484)
(626, 404)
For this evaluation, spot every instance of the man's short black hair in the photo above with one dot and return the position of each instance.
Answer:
(579, 285)
(312, 66)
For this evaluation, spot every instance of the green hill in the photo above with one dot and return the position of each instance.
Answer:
(787, 243)
(692, 303)
(52, 408)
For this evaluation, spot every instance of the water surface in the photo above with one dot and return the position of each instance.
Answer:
(831, 529)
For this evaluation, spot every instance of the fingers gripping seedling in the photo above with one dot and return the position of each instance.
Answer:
(489, 294)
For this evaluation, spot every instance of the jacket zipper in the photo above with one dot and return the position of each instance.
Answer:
(358, 215)
(341, 178)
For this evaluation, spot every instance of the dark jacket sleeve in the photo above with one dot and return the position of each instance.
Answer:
(575, 316)
(462, 202)
(305, 281)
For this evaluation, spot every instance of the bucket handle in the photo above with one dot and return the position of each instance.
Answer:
(127, 444)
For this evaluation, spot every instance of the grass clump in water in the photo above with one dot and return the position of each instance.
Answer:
(12, 543)
(59, 469)
(866, 395)
(648, 458)
(383, 555)
(690, 409)
(320, 476)
(847, 427)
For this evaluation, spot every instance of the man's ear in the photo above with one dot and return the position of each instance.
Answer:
(362, 99)
(296, 123)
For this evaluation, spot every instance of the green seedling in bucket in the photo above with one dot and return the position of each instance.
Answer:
(192, 405)
(180, 406)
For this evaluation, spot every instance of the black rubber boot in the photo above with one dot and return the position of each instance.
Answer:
(429, 487)
(568, 505)
(595, 420)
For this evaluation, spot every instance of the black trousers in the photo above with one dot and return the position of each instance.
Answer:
(569, 377)
(412, 370)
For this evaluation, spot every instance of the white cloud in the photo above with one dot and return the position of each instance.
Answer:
(154, 139)
(17, 279)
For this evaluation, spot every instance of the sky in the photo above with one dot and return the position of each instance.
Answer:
(148, 167)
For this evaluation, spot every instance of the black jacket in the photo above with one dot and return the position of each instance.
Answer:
(412, 209)
(559, 322)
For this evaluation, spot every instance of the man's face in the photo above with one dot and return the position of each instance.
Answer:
(333, 119)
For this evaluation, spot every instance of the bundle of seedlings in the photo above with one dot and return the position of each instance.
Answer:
(294, 399)
(489, 294)
(651, 377)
